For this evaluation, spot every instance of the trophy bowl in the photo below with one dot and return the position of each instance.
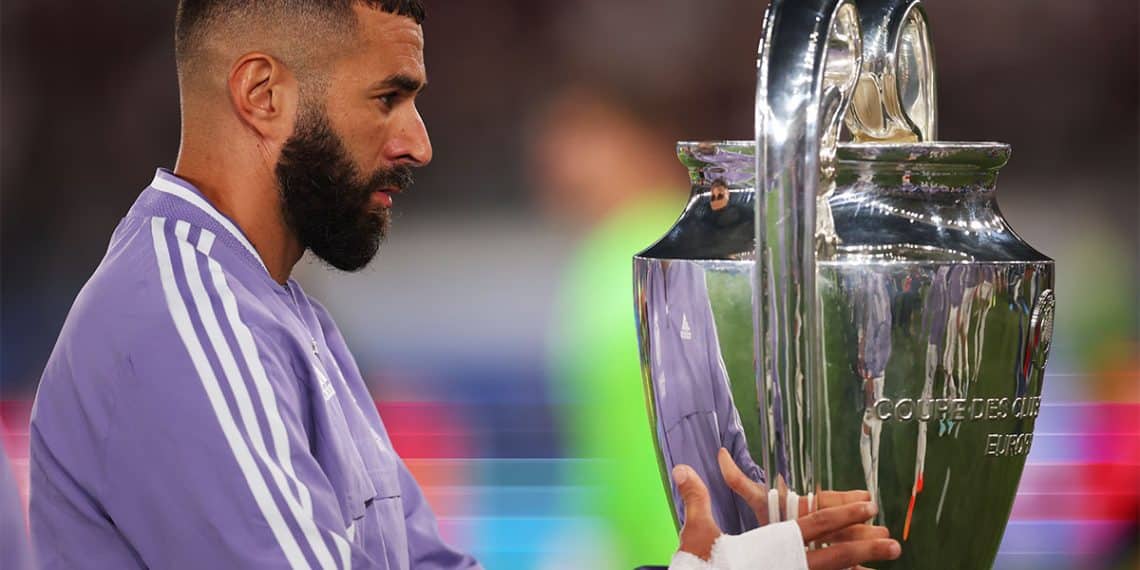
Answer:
(844, 316)
(936, 323)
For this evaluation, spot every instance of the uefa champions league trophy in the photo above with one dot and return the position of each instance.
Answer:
(849, 315)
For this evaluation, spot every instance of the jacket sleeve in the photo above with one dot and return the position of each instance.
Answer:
(731, 431)
(209, 465)
(207, 460)
(427, 550)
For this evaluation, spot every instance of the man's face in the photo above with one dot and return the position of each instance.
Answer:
(718, 198)
(355, 143)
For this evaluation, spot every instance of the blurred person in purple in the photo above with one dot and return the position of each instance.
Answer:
(199, 410)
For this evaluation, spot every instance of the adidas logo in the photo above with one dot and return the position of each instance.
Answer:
(686, 333)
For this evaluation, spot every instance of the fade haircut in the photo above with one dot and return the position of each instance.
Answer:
(295, 28)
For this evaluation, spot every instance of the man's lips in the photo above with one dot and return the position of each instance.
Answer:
(383, 197)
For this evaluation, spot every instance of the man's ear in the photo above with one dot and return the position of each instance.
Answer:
(264, 96)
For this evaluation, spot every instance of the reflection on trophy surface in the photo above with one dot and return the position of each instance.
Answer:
(867, 319)
(693, 394)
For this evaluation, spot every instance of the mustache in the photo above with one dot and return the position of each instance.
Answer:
(399, 177)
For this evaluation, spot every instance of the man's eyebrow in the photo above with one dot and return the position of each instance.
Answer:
(402, 82)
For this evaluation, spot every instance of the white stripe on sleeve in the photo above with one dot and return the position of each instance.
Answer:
(261, 382)
(185, 328)
(268, 399)
(238, 388)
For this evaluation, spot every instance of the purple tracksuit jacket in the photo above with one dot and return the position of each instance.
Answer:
(694, 399)
(196, 414)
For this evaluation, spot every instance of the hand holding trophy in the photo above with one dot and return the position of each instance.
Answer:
(839, 521)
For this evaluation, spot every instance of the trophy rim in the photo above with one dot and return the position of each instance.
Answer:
(983, 155)
(941, 145)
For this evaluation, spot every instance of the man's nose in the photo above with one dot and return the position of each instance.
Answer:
(411, 145)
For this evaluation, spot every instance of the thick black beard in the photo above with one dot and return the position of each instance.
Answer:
(323, 199)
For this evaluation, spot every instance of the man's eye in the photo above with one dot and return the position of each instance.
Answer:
(387, 100)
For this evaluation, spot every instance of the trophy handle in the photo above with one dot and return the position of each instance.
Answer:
(808, 64)
(894, 99)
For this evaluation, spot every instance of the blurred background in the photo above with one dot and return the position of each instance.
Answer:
(496, 327)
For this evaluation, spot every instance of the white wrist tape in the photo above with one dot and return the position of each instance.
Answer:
(777, 546)
(684, 561)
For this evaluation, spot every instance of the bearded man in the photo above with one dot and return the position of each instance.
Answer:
(199, 410)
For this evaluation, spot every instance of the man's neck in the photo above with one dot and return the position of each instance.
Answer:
(249, 198)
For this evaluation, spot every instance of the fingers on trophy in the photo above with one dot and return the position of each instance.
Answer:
(836, 528)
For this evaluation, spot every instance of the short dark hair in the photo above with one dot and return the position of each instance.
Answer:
(195, 18)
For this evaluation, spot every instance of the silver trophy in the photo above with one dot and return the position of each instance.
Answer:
(849, 315)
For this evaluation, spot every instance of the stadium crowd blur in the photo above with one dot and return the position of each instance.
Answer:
(496, 326)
